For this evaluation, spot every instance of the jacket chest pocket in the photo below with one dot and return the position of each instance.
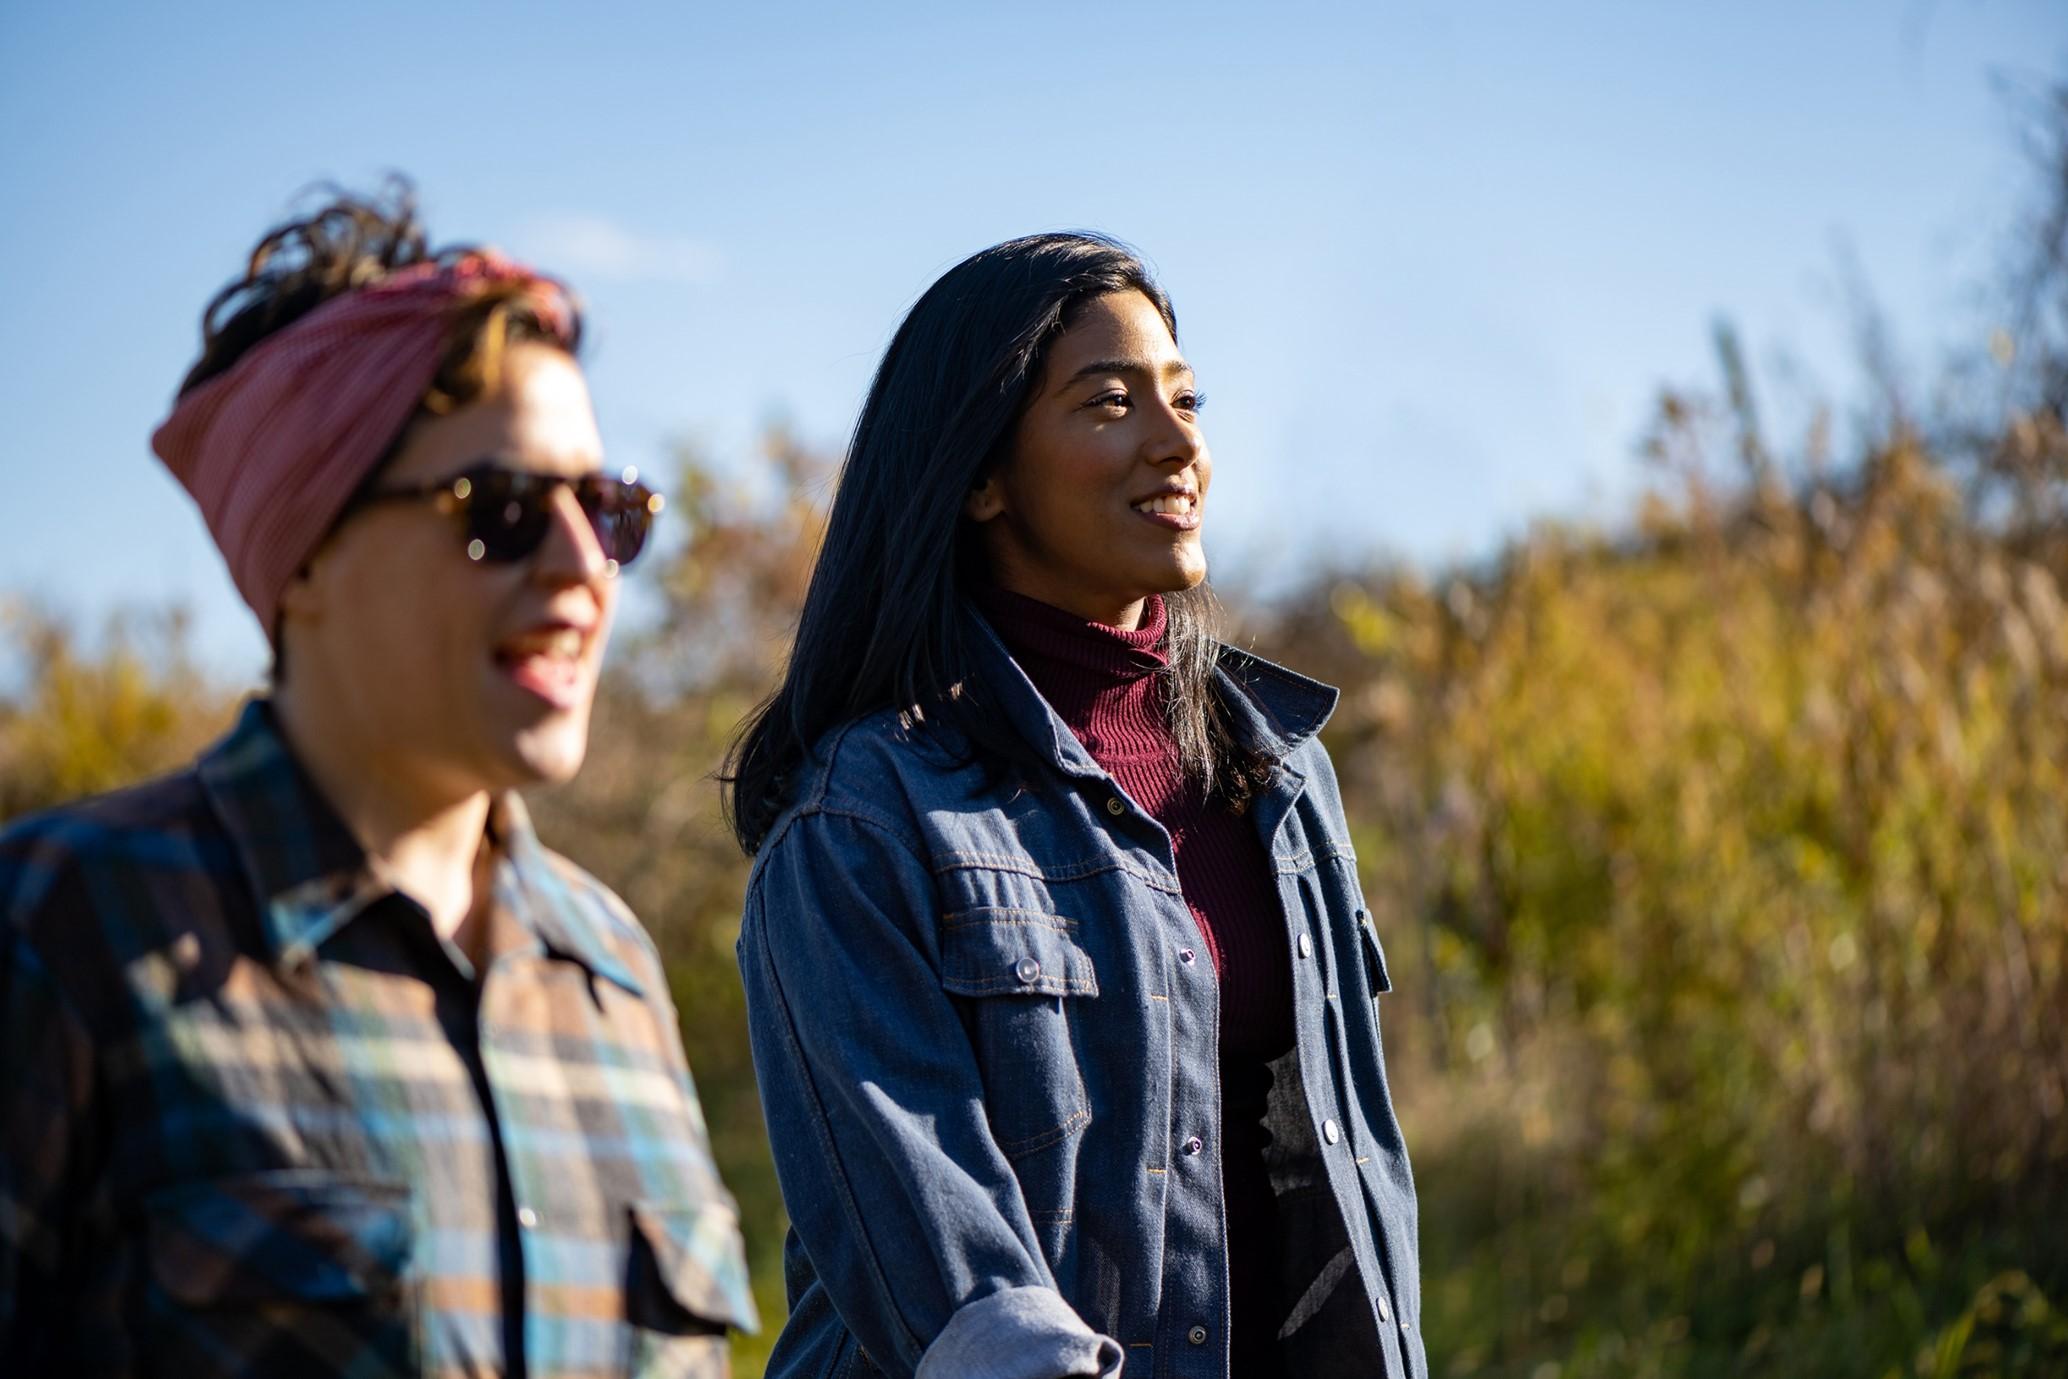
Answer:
(290, 1273)
(1020, 977)
(1335, 905)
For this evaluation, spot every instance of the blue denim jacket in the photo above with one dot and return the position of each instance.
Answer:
(989, 1061)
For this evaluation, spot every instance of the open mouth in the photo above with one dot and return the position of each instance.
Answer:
(1178, 511)
(548, 662)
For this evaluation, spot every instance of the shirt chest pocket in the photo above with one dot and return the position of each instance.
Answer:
(291, 1272)
(686, 1283)
(1020, 977)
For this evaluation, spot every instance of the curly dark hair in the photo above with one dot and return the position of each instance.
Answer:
(354, 241)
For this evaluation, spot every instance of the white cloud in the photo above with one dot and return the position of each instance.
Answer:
(594, 247)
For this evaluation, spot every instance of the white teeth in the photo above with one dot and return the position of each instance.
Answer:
(1169, 504)
(564, 643)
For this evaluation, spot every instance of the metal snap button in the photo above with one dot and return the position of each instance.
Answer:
(1026, 969)
(1306, 946)
(1330, 1132)
(1187, 956)
(1197, 1335)
(186, 951)
(1194, 1145)
(1116, 806)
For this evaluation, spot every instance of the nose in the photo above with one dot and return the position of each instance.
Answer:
(1175, 439)
(570, 553)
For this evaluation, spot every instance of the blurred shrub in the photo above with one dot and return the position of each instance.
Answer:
(1731, 858)
(79, 715)
(1727, 858)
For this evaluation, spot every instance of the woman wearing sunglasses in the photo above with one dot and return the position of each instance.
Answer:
(319, 1062)
(1060, 982)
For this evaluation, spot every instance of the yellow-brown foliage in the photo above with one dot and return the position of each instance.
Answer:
(1732, 860)
(81, 719)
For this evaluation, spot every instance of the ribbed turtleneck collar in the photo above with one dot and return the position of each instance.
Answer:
(1056, 634)
(1100, 680)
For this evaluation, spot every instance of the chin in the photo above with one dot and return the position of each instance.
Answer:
(550, 754)
(1189, 574)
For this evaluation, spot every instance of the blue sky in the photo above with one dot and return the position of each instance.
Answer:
(1432, 261)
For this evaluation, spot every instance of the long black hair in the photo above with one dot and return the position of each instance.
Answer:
(882, 622)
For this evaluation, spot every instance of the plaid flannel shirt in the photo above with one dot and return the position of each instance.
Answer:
(258, 1118)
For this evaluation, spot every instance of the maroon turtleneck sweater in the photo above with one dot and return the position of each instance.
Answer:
(1102, 682)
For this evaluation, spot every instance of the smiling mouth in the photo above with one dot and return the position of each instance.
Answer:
(547, 662)
(1171, 511)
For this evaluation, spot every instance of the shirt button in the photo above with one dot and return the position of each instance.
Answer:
(527, 1218)
(1306, 946)
(1026, 969)
(186, 951)
(1385, 1315)
(1194, 1145)
(1187, 956)
(1329, 1131)
(1116, 807)
(1360, 914)
(1197, 1335)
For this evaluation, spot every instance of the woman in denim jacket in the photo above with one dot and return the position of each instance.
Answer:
(1062, 991)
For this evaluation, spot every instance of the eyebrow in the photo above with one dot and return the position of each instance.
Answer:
(1099, 366)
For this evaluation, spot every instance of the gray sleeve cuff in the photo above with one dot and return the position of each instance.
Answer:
(1019, 1333)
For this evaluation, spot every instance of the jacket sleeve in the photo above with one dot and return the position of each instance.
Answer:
(44, 1113)
(909, 1212)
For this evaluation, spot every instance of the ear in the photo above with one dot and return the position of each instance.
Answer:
(302, 599)
(985, 501)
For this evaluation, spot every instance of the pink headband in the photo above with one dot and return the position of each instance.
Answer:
(273, 448)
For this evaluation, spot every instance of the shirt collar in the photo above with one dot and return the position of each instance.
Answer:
(310, 877)
(560, 905)
(1274, 709)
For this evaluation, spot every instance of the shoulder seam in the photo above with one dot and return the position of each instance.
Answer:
(882, 826)
(821, 810)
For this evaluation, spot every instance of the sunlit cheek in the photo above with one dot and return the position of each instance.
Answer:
(608, 600)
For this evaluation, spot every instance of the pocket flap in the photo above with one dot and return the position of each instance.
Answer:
(1000, 952)
(699, 1260)
(293, 1234)
(1374, 960)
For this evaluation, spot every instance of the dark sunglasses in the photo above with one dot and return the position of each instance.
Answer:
(507, 513)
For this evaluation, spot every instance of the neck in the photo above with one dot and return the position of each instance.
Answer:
(1113, 610)
(428, 840)
(1125, 616)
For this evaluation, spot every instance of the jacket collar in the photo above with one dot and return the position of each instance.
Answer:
(310, 877)
(1274, 709)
